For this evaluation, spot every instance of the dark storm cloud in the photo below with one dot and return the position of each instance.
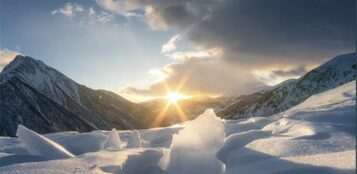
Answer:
(254, 30)
(274, 30)
(255, 36)
(172, 13)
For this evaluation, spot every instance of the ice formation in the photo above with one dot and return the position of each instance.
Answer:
(113, 141)
(134, 140)
(193, 149)
(39, 145)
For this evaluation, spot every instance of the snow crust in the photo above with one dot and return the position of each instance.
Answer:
(316, 136)
(39, 145)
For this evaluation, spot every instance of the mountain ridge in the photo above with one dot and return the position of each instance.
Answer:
(32, 91)
(335, 72)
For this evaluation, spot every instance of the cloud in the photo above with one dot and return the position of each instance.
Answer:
(6, 56)
(257, 40)
(275, 31)
(84, 15)
(171, 44)
(298, 71)
(202, 77)
(251, 31)
(160, 74)
(69, 9)
(118, 7)
(103, 17)
(91, 11)
(112, 5)
(162, 14)
(199, 54)
(274, 77)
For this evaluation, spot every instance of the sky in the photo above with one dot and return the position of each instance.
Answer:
(141, 48)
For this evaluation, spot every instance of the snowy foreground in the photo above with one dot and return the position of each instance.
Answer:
(317, 136)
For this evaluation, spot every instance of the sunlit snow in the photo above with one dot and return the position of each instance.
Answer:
(316, 136)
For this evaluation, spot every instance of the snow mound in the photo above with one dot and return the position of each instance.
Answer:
(238, 141)
(134, 140)
(194, 148)
(80, 143)
(113, 141)
(39, 145)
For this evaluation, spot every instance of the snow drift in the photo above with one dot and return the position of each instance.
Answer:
(39, 145)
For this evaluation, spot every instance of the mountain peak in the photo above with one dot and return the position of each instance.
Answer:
(41, 77)
(19, 61)
(39, 96)
(28, 70)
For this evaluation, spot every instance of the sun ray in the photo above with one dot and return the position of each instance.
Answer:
(161, 116)
(180, 112)
(182, 81)
(172, 98)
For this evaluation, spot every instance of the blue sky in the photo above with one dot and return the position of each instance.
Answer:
(138, 48)
(100, 55)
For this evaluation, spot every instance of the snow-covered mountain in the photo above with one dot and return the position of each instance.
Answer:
(337, 71)
(45, 100)
(316, 136)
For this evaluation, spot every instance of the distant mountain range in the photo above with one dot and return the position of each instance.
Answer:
(266, 102)
(43, 99)
(337, 71)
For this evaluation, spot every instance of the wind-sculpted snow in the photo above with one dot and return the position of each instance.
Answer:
(134, 140)
(113, 141)
(316, 136)
(39, 145)
(194, 148)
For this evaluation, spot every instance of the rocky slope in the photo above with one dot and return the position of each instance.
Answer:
(45, 100)
(337, 71)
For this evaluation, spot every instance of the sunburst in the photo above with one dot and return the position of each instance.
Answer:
(172, 97)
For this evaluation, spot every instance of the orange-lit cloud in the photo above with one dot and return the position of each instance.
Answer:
(202, 77)
(254, 49)
(199, 54)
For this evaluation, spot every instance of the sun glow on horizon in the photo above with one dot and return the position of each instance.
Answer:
(173, 97)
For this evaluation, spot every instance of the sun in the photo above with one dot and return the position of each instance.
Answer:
(173, 97)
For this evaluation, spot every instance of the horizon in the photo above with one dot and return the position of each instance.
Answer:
(169, 94)
(145, 50)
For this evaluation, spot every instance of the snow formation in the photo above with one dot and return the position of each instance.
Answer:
(113, 141)
(39, 145)
(194, 148)
(134, 140)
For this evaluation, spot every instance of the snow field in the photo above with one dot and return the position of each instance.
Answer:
(316, 136)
